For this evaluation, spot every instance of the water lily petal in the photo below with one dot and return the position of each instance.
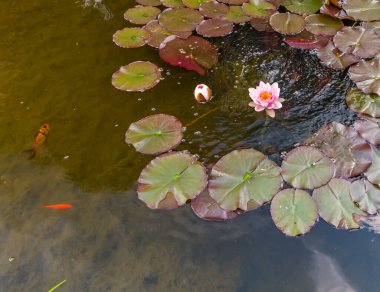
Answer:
(270, 113)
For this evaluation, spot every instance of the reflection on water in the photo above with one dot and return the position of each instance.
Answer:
(56, 59)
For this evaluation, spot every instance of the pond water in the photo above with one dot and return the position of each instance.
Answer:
(56, 62)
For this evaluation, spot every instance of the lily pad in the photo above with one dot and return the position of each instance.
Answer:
(213, 9)
(236, 14)
(172, 3)
(149, 2)
(180, 19)
(366, 10)
(334, 12)
(171, 180)
(206, 208)
(334, 58)
(194, 3)
(374, 25)
(358, 41)
(215, 27)
(350, 152)
(287, 23)
(158, 33)
(366, 75)
(321, 24)
(306, 40)
(234, 2)
(336, 206)
(294, 212)
(373, 172)
(369, 129)
(155, 134)
(261, 24)
(364, 103)
(307, 168)
(136, 76)
(131, 37)
(302, 6)
(244, 179)
(194, 53)
(141, 14)
(366, 196)
(259, 8)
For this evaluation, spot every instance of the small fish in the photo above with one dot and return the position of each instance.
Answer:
(58, 206)
(40, 139)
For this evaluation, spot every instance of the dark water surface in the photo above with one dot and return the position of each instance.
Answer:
(56, 60)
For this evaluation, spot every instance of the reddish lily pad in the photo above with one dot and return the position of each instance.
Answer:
(302, 6)
(171, 180)
(236, 14)
(358, 41)
(155, 134)
(158, 33)
(334, 58)
(141, 14)
(194, 3)
(194, 53)
(180, 19)
(360, 102)
(366, 75)
(307, 40)
(369, 129)
(334, 12)
(213, 9)
(366, 196)
(373, 172)
(172, 3)
(131, 37)
(287, 23)
(149, 2)
(261, 24)
(366, 10)
(350, 152)
(136, 76)
(321, 24)
(259, 8)
(374, 25)
(215, 28)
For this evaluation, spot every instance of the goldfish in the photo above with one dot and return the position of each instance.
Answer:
(40, 138)
(58, 206)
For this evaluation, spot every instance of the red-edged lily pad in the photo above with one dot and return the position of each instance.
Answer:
(334, 12)
(366, 75)
(131, 37)
(215, 27)
(158, 33)
(334, 58)
(287, 23)
(369, 129)
(236, 14)
(366, 10)
(306, 40)
(321, 24)
(141, 14)
(180, 19)
(366, 196)
(302, 6)
(213, 9)
(261, 24)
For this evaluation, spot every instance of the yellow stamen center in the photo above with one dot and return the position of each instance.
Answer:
(265, 96)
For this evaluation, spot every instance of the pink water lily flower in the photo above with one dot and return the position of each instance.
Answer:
(266, 97)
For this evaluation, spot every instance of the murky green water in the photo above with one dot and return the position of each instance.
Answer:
(56, 59)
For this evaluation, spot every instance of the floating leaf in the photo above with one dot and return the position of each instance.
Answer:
(374, 25)
(366, 196)
(215, 27)
(180, 19)
(373, 172)
(287, 23)
(294, 212)
(141, 14)
(170, 180)
(364, 103)
(366, 75)
(194, 3)
(193, 53)
(369, 129)
(336, 206)
(261, 24)
(358, 41)
(334, 58)
(321, 24)
(366, 10)
(307, 168)
(234, 2)
(350, 152)
(307, 40)
(244, 179)
(155, 134)
(136, 76)
(302, 6)
(158, 33)
(334, 12)
(172, 3)
(235, 14)
(131, 37)
(213, 9)
(149, 2)
(259, 8)
(206, 208)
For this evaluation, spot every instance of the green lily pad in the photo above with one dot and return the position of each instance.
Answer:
(158, 33)
(236, 14)
(294, 212)
(366, 75)
(213, 9)
(172, 3)
(215, 27)
(374, 25)
(366, 10)
(131, 37)
(149, 2)
(336, 206)
(194, 3)
(141, 14)
(302, 7)
(369, 129)
(259, 9)
(321, 24)
(136, 76)
(360, 102)
(335, 59)
(287, 23)
(171, 180)
(244, 179)
(261, 24)
(366, 196)
(155, 134)
(349, 151)
(307, 168)
(180, 19)
(373, 172)
(358, 41)
(307, 41)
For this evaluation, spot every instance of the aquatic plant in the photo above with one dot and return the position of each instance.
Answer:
(266, 97)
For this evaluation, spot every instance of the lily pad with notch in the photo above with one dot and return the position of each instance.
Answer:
(307, 41)
(141, 14)
(335, 59)
(215, 27)
(303, 6)
(158, 33)
(366, 75)
(365, 10)
(373, 172)
(321, 24)
(180, 19)
(287, 23)
(361, 102)
(213, 9)
(131, 37)
(259, 8)
(366, 196)
(369, 129)
(261, 24)
(236, 14)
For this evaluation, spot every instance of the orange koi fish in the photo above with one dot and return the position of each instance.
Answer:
(58, 206)
(40, 138)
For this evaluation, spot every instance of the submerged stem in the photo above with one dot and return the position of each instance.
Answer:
(200, 117)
